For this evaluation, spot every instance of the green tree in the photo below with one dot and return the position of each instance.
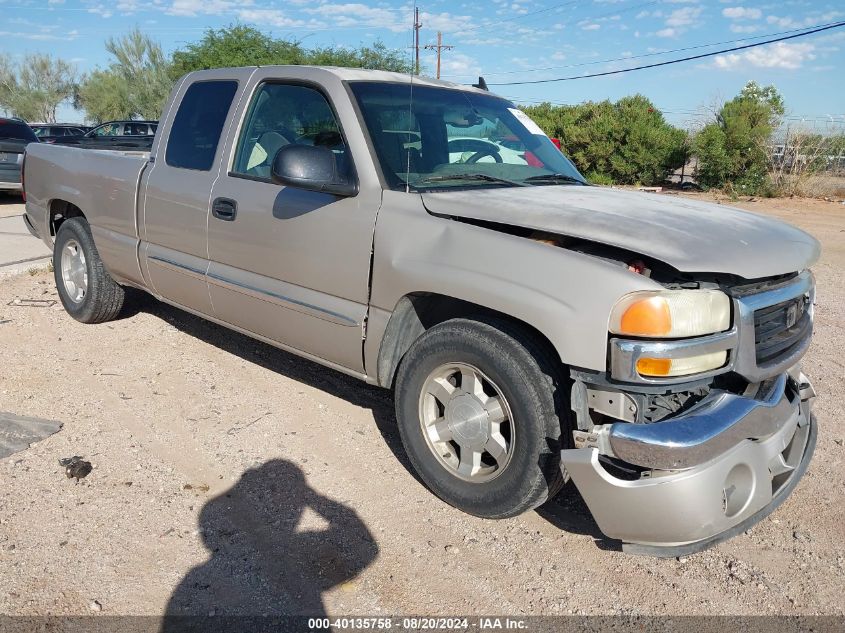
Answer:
(626, 142)
(104, 95)
(34, 87)
(136, 84)
(733, 151)
(235, 45)
(375, 57)
(240, 45)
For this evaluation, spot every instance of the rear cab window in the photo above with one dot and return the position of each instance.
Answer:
(195, 133)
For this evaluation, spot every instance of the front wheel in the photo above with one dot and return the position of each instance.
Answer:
(87, 291)
(479, 414)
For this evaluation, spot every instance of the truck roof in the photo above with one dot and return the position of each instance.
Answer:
(345, 74)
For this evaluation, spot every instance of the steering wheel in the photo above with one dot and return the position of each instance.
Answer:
(497, 157)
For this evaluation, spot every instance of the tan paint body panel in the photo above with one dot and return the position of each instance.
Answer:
(309, 272)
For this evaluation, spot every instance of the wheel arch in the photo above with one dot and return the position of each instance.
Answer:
(61, 210)
(417, 312)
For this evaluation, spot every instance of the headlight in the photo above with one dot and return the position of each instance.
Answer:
(673, 314)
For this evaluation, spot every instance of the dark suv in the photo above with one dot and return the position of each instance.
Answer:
(51, 132)
(15, 135)
(116, 135)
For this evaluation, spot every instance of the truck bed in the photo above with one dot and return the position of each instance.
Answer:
(103, 183)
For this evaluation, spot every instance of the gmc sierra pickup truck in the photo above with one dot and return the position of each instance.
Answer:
(534, 328)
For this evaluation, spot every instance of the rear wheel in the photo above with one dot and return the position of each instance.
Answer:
(478, 411)
(87, 291)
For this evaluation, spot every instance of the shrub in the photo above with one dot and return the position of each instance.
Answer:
(626, 142)
(733, 151)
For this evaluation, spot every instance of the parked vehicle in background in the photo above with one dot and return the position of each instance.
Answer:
(115, 135)
(49, 132)
(15, 135)
(123, 128)
(534, 328)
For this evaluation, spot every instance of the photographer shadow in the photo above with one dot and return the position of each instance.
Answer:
(264, 561)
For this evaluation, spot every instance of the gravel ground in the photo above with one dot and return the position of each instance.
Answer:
(230, 477)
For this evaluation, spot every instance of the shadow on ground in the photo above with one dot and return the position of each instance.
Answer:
(567, 510)
(263, 563)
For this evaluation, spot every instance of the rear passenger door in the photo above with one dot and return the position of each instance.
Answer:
(175, 208)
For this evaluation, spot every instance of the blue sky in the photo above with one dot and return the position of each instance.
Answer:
(505, 40)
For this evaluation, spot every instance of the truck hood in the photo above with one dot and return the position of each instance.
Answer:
(688, 235)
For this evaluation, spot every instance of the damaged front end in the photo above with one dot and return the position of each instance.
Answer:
(672, 465)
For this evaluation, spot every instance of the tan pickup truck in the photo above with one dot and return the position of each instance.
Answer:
(429, 238)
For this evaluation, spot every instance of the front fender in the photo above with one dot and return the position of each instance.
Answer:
(565, 295)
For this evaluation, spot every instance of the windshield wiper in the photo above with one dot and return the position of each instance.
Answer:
(468, 177)
(556, 178)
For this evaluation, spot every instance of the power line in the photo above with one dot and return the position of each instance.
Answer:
(672, 61)
(652, 54)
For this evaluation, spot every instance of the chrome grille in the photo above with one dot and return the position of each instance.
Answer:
(780, 329)
(775, 327)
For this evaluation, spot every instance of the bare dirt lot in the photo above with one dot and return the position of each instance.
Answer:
(230, 477)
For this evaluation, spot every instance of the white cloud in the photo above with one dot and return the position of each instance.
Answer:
(667, 33)
(810, 20)
(592, 26)
(208, 7)
(744, 28)
(41, 37)
(351, 15)
(446, 22)
(742, 13)
(780, 55)
(683, 17)
(454, 64)
(272, 17)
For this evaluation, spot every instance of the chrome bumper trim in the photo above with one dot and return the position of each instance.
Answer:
(624, 355)
(674, 513)
(714, 425)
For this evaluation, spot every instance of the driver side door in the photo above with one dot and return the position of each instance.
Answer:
(290, 265)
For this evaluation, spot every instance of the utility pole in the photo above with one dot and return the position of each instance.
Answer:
(439, 47)
(417, 27)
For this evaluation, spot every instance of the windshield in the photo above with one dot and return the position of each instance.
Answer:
(16, 129)
(457, 139)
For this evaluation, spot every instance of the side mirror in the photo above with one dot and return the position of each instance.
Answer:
(310, 168)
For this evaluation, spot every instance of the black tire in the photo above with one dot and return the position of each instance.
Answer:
(104, 297)
(533, 385)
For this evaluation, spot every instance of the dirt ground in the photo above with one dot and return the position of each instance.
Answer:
(233, 478)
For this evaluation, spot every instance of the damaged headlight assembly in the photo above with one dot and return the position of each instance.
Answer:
(666, 316)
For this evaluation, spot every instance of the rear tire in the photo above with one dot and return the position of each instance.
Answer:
(87, 291)
(481, 418)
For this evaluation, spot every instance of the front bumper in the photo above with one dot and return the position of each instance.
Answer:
(685, 504)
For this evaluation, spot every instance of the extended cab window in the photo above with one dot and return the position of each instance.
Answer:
(284, 114)
(199, 121)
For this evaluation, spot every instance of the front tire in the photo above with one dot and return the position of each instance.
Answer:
(87, 291)
(480, 416)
